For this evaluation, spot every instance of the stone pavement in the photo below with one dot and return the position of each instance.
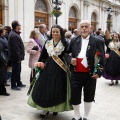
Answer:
(106, 106)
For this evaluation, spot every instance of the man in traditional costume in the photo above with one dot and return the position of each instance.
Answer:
(81, 57)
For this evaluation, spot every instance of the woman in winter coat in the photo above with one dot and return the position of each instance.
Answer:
(34, 49)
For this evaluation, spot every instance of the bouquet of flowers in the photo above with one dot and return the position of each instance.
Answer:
(38, 67)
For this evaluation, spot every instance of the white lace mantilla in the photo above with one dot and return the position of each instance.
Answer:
(113, 45)
(51, 50)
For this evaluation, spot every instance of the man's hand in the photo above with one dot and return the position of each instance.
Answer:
(74, 61)
(95, 76)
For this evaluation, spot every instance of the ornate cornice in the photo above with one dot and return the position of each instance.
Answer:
(86, 2)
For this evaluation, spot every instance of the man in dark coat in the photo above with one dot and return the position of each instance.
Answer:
(2, 68)
(16, 55)
(81, 58)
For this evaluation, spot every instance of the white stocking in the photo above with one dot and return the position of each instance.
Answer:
(76, 111)
(43, 112)
(87, 108)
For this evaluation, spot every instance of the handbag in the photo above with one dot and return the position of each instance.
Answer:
(3, 58)
(35, 48)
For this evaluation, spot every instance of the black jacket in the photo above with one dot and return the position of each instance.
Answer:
(2, 66)
(93, 45)
(15, 47)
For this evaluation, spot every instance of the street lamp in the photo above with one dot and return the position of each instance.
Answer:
(109, 21)
(57, 8)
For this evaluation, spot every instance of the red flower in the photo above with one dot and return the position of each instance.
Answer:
(98, 54)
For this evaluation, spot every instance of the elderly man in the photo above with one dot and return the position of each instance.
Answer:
(43, 34)
(75, 33)
(83, 73)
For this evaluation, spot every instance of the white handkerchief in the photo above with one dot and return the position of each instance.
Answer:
(84, 62)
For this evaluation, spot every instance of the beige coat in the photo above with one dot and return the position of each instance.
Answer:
(33, 54)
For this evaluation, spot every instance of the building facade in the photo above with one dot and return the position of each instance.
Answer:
(31, 13)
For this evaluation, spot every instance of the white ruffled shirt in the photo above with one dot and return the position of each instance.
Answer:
(82, 53)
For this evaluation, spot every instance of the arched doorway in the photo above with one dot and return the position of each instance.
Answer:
(1, 22)
(94, 21)
(72, 19)
(41, 13)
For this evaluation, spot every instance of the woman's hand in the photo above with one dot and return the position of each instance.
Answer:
(107, 56)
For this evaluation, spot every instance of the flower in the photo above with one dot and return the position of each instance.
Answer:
(56, 13)
(97, 53)
(96, 61)
(39, 65)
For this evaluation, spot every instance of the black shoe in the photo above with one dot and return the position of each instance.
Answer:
(111, 84)
(15, 88)
(43, 116)
(5, 94)
(78, 119)
(116, 82)
(6, 84)
(21, 85)
(84, 119)
(55, 113)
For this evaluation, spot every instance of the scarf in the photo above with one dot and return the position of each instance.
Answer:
(39, 44)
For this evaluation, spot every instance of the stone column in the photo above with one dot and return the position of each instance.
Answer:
(86, 10)
(103, 19)
(5, 15)
(82, 9)
(28, 18)
(116, 22)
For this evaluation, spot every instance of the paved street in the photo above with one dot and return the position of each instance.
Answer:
(106, 107)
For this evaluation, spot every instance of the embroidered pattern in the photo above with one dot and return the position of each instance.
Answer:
(51, 50)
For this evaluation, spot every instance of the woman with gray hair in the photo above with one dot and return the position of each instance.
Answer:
(68, 36)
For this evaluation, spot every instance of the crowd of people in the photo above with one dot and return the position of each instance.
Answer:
(69, 61)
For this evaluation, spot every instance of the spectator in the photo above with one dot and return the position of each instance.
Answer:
(7, 31)
(98, 35)
(9, 66)
(43, 34)
(68, 36)
(75, 33)
(16, 55)
(3, 51)
(107, 39)
(34, 49)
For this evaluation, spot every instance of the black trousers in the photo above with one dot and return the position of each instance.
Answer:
(16, 72)
(81, 81)
(2, 88)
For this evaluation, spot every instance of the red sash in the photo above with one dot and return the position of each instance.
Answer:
(79, 67)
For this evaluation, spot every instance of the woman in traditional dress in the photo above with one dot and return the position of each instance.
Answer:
(112, 67)
(51, 90)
